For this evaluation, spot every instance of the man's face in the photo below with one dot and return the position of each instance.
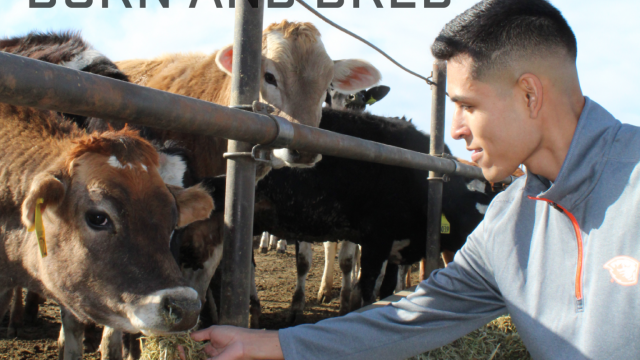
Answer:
(493, 118)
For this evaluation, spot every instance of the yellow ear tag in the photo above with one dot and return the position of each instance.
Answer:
(38, 226)
(445, 227)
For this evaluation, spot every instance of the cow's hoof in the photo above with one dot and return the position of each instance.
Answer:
(295, 317)
(264, 250)
(14, 332)
(324, 297)
(281, 251)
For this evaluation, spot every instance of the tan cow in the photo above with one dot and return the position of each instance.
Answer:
(296, 73)
(108, 219)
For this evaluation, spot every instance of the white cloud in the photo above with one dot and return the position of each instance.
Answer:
(608, 41)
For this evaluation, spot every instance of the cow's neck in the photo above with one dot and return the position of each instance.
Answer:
(33, 142)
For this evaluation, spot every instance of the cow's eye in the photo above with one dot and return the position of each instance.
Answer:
(270, 79)
(98, 220)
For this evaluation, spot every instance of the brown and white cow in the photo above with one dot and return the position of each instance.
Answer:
(108, 219)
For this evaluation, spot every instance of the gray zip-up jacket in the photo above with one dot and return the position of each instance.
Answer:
(562, 259)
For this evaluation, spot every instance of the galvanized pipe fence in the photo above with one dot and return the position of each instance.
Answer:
(33, 83)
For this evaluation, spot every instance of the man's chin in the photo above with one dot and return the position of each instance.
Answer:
(493, 174)
(496, 174)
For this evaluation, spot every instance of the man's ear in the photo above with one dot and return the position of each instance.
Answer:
(532, 89)
(224, 58)
(193, 203)
(351, 76)
(46, 186)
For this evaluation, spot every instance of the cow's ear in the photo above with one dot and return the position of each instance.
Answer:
(224, 58)
(193, 203)
(375, 94)
(350, 76)
(47, 187)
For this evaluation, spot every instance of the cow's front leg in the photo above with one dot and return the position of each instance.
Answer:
(70, 339)
(347, 260)
(404, 277)
(16, 315)
(304, 255)
(132, 349)
(326, 287)
(390, 280)
(5, 302)
(281, 244)
(373, 258)
(31, 306)
(111, 344)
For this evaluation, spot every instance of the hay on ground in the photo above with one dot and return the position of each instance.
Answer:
(498, 340)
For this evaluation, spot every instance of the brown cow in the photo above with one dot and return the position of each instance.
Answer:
(108, 219)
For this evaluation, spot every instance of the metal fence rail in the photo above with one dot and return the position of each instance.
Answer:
(33, 83)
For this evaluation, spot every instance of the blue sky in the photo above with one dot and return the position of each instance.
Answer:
(608, 34)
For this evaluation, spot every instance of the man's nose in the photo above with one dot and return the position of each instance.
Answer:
(459, 129)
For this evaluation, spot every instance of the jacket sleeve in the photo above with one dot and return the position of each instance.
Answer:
(449, 304)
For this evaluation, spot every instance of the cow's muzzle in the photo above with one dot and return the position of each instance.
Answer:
(167, 311)
(293, 158)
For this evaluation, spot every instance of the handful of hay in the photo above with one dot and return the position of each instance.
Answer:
(166, 347)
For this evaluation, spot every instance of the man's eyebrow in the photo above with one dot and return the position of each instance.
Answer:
(456, 98)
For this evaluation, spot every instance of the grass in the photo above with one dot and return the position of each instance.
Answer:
(497, 340)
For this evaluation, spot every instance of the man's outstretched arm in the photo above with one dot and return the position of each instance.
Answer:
(451, 303)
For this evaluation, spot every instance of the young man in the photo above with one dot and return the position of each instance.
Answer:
(558, 250)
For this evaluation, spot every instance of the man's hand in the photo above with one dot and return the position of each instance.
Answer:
(233, 343)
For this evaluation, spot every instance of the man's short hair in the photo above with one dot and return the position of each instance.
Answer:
(496, 32)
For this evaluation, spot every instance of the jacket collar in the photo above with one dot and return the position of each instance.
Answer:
(585, 160)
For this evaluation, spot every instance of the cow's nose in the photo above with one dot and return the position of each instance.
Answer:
(179, 313)
(294, 154)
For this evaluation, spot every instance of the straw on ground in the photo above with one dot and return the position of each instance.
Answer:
(498, 340)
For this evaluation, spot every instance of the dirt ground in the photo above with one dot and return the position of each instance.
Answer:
(276, 281)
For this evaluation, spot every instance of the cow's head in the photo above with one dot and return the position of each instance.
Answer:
(108, 219)
(296, 73)
(356, 101)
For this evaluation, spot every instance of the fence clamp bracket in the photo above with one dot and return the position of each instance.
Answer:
(445, 178)
(262, 152)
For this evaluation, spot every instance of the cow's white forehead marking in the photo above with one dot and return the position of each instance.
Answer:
(114, 162)
(476, 185)
(117, 164)
(482, 209)
(84, 59)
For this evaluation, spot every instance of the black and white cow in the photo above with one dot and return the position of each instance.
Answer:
(356, 101)
(338, 101)
(380, 207)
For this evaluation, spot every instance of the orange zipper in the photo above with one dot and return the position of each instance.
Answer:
(576, 228)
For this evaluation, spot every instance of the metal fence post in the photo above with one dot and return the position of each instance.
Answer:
(241, 171)
(434, 207)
